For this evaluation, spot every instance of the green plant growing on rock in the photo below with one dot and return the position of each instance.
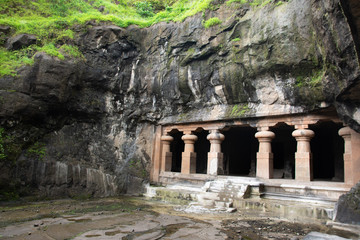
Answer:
(254, 3)
(144, 9)
(9, 61)
(37, 150)
(10, 148)
(312, 81)
(137, 167)
(2, 149)
(212, 22)
(54, 22)
(236, 1)
(239, 110)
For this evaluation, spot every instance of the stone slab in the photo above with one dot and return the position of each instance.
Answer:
(322, 236)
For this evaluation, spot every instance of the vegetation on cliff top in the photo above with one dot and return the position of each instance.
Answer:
(54, 21)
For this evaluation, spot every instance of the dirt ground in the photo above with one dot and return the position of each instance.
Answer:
(137, 218)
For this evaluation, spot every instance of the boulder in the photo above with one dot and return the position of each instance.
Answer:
(20, 41)
(347, 209)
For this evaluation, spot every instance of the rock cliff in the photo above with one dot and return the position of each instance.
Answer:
(87, 126)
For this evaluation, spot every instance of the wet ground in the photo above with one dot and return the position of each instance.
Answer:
(136, 218)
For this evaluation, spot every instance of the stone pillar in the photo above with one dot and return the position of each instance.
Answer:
(303, 156)
(345, 133)
(166, 156)
(188, 161)
(264, 166)
(215, 156)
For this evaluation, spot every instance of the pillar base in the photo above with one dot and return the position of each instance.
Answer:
(215, 163)
(188, 163)
(303, 166)
(168, 162)
(264, 168)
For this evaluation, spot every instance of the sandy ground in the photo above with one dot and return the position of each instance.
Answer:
(137, 218)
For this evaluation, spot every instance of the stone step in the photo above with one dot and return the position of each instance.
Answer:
(223, 204)
(209, 195)
(290, 210)
(280, 205)
(300, 198)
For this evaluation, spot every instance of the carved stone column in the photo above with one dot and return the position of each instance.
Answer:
(166, 156)
(345, 133)
(215, 156)
(303, 156)
(188, 162)
(265, 164)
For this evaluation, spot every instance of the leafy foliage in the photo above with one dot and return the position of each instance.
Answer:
(144, 9)
(212, 22)
(2, 149)
(255, 3)
(37, 150)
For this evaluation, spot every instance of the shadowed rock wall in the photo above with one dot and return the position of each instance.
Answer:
(87, 127)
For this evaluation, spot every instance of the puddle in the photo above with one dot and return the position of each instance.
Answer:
(173, 228)
(145, 235)
(79, 219)
(94, 235)
(113, 233)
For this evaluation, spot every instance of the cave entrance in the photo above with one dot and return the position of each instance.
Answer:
(202, 147)
(327, 148)
(176, 147)
(284, 148)
(239, 148)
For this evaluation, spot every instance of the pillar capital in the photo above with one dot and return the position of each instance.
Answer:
(215, 135)
(301, 126)
(263, 128)
(167, 139)
(265, 135)
(345, 132)
(189, 138)
(305, 134)
(187, 131)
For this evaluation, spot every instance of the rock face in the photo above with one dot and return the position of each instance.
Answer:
(347, 209)
(87, 127)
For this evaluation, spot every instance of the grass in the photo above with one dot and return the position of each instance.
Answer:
(212, 22)
(254, 3)
(312, 81)
(53, 22)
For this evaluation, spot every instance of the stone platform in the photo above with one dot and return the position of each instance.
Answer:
(248, 195)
